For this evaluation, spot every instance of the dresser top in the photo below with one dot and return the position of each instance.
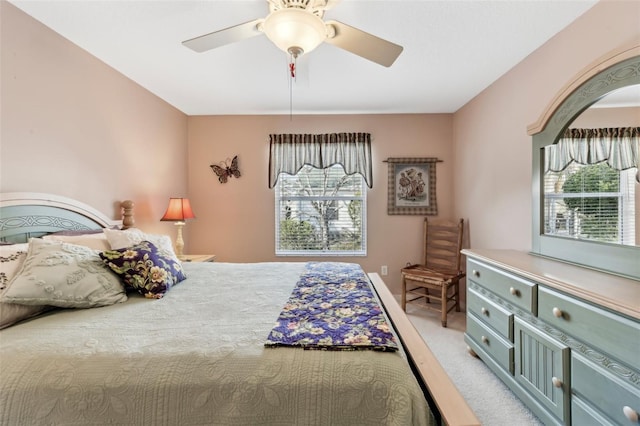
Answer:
(610, 291)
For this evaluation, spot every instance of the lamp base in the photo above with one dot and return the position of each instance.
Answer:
(179, 240)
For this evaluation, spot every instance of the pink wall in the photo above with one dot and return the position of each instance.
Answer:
(73, 126)
(236, 220)
(89, 133)
(593, 118)
(492, 184)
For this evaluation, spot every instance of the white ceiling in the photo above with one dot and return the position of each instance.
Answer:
(452, 51)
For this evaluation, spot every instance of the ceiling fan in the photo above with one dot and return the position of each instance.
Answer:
(296, 27)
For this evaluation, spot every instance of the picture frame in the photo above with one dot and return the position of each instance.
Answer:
(411, 186)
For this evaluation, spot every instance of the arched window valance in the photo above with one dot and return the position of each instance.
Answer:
(618, 147)
(290, 152)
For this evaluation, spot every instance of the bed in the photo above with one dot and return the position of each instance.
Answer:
(202, 352)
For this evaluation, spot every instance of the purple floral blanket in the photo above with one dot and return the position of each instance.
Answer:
(333, 307)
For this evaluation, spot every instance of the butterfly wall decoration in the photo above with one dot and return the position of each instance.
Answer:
(226, 169)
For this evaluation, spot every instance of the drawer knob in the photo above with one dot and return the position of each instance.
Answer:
(630, 413)
(513, 291)
(556, 382)
(557, 312)
(485, 340)
(484, 311)
(476, 273)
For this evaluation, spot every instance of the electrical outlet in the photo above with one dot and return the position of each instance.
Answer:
(384, 270)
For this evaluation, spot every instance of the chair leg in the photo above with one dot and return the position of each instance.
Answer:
(443, 304)
(457, 294)
(404, 294)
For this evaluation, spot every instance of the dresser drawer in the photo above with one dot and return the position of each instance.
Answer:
(499, 349)
(511, 288)
(603, 390)
(583, 415)
(615, 335)
(490, 313)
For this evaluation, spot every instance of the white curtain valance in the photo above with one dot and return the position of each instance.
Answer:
(290, 152)
(618, 147)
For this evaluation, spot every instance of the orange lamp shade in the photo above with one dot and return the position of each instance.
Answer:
(179, 210)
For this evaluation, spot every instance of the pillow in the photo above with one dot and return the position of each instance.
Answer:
(11, 260)
(95, 241)
(144, 268)
(119, 239)
(64, 275)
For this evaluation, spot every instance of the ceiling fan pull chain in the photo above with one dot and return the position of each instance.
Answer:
(292, 70)
(292, 75)
(293, 59)
(290, 103)
(292, 64)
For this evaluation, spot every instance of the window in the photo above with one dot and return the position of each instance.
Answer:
(590, 202)
(320, 196)
(321, 212)
(589, 191)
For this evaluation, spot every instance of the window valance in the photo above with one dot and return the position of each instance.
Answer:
(290, 152)
(618, 147)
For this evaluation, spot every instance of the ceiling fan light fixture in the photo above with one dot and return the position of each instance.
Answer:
(294, 29)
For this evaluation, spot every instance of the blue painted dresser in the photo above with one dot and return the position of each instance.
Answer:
(565, 339)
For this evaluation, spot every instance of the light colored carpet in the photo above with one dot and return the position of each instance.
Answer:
(491, 400)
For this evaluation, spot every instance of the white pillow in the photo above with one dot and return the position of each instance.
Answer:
(64, 275)
(93, 241)
(119, 239)
(11, 259)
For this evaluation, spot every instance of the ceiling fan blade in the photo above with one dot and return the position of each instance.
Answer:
(225, 36)
(364, 44)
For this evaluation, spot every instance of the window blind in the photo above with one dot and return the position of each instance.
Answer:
(320, 212)
(594, 202)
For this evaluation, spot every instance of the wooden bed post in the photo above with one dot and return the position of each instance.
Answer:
(127, 214)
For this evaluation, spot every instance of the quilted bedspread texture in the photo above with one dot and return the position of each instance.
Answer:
(196, 357)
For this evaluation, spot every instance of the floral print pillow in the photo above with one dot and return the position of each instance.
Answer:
(145, 269)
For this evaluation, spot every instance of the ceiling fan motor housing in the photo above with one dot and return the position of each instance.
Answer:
(317, 7)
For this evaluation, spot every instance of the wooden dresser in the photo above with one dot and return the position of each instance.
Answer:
(565, 339)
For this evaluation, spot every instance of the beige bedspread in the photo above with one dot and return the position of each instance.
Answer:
(196, 357)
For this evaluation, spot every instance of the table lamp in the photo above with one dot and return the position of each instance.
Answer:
(179, 211)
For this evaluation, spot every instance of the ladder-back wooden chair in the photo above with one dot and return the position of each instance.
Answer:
(435, 284)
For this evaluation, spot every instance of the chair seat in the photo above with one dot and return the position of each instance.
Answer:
(423, 274)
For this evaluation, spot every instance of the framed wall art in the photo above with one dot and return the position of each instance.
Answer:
(411, 186)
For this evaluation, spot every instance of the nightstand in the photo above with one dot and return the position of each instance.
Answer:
(198, 258)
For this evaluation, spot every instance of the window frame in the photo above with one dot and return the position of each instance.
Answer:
(362, 252)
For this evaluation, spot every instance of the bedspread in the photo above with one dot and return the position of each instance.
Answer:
(196, 356)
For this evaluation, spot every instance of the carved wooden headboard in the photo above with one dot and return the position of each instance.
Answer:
(25, 215)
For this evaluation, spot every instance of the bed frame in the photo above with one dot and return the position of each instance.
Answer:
(26, 215)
